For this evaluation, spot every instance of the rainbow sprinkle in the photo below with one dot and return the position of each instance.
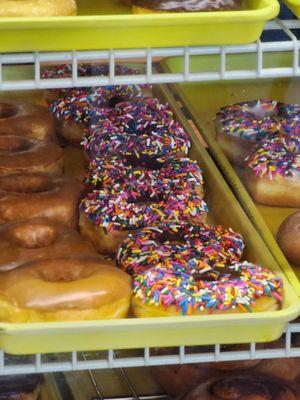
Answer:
(163, 174)
(278, 154)
(122, 211)
(240, 288)
(192, 247)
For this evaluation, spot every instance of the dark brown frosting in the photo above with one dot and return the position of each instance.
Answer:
(13, 384)
(188, 5)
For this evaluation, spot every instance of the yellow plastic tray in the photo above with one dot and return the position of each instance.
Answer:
(174, 331)
(104, 24)
(203, 100)
(294, 5)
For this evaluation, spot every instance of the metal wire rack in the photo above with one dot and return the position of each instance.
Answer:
(148, 57)
(78, 361)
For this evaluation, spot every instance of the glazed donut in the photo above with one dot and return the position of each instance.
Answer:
(64, 289)
(37, 8)
(20, 387)
(109, 137)
(273, 172)
(288, 238)
(162, 6)
(197, 247)
(39, 239)
(107, 219)
(155, 175)
(247, 386)
(27, 196)
(166, 292)
(241, 125)
(21, 154)
(25, 119)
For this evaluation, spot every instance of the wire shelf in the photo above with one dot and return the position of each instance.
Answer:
(78, 361)
(148, 58)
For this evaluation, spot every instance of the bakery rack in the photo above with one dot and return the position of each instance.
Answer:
(30, 79)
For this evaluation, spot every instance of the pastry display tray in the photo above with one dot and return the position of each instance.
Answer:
(106, 24)
(203, 100)
(294, 5)
(174, 331)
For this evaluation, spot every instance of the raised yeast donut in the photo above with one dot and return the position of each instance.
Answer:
(200, 247)
(39, 239)
(25, 119)
(241, 125)
(246, 386)
(288, 237)
(21, 154)
(154, 175)
(107, 218)
(64, 289)
(37, 8)
(166, 292)
(26, 196)
(273, 171)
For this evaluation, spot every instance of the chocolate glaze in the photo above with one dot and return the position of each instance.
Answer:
(188, 5)
(14, 384)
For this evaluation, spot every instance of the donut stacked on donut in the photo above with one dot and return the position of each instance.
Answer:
(196, 247)
(77, 109)
(273, 171)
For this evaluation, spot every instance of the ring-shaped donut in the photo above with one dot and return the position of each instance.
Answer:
(25, 119)
(27, 196)
(168, 173)
(21, 154)
(196, 247)
(175, 291)
(107, 218)
(273, 171)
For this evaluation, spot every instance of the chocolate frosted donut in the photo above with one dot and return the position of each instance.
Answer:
(25, 119)
(20, 387)
(288, 238)
(249, 386)
(185, 5)
(21, 154)
(26, 196)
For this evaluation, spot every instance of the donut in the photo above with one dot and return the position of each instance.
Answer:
(273, 172)
(106, 95)
(20, 387)
(64, 289)
(39, 239)
(288, 238)
(112, 137)
(163, 6)
(107, 219)
(22, 154)
(165, 292)
(25, 119)
(176, 380)
(245, 386)
(197, 247)
(28, 196)
(154, 175)
(37, 8)
(241, 125)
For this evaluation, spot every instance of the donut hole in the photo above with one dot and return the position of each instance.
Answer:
(69, 270)
(7, 110)
(172, 239)
(34, 236)
(14, 144)
(26, 183)
(145, 199)
(144, 162)
(259, 112)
